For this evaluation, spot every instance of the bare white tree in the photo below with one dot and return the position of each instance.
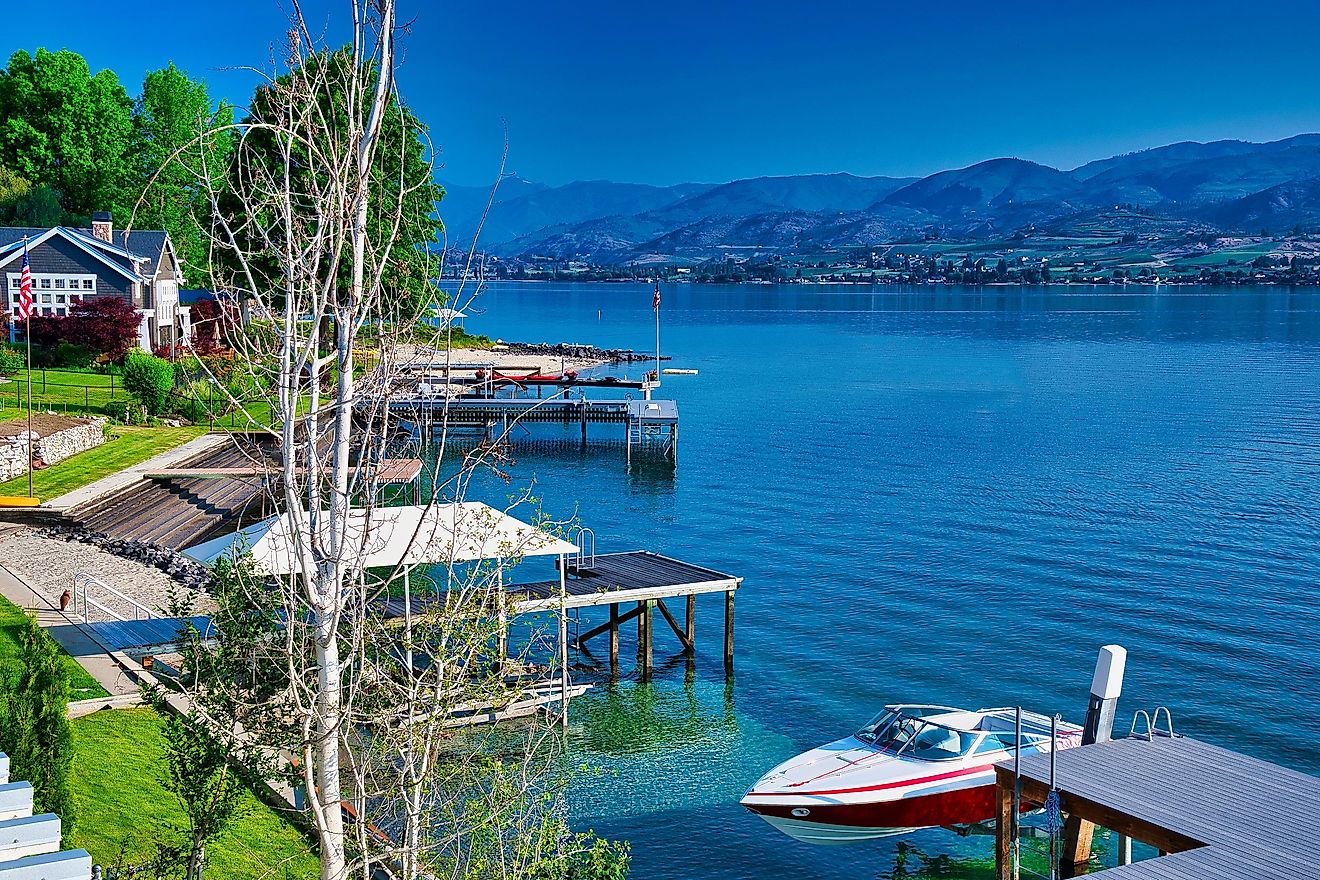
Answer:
(355, 673)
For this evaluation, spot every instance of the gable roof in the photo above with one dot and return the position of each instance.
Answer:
(143, 247)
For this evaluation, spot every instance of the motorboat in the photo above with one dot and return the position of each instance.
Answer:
(910, 767)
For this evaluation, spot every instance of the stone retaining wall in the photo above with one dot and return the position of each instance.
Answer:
(55, 439)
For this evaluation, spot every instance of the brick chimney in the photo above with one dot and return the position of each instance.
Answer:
(103, 226)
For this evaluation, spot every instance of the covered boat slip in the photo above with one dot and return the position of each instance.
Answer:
(1216, 813)
(470, 531)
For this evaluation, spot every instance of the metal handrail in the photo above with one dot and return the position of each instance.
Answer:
(1150, 727)
(82, 579)
(585, 534)
(1155, 721)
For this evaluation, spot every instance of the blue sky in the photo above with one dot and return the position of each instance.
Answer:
(711, 91)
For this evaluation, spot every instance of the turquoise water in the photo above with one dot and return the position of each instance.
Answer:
(942, 495)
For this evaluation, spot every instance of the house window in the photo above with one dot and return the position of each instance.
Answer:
(13, 281)
(59, 310)
(45, 299)
(61, 298)
(87, 283)
(45, 283)
(59, 283)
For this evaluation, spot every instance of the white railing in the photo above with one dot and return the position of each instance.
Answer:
(82, 602)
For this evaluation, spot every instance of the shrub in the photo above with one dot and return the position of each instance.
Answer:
(11, 361)
(69, 354)
(150, 379)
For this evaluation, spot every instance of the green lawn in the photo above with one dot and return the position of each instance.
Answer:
(12, 621)
(125, 447)
(121, 803)
(62, 391)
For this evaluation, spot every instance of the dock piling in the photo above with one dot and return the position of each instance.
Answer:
(614, 638)
(728, 631)
(690, 621)
(647, 623)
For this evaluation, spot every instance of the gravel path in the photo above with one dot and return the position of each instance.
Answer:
(48, 565)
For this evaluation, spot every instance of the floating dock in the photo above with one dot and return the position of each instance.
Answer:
(1211, 812)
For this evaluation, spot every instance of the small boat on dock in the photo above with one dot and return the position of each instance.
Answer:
(911, 767)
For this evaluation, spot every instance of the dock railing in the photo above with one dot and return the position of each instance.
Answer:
(82, 603)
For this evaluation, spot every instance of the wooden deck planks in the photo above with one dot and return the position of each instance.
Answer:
(123, 634)
(626, 577)
(1255, 818)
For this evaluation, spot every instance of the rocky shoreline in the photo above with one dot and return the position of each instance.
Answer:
(581, 352)
(178, 567)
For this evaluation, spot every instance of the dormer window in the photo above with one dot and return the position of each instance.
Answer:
(45, 283)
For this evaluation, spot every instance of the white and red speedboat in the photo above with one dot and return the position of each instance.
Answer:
(910, 767)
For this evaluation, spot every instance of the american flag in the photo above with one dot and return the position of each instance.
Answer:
(655, 303)
(25, 289)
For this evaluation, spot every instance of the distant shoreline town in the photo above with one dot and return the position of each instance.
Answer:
(1285, 260)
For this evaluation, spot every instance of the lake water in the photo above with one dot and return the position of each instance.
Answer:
(942, 495)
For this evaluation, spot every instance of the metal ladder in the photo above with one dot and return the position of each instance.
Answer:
(1153, 728)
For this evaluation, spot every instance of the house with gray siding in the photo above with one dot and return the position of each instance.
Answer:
(69, 264)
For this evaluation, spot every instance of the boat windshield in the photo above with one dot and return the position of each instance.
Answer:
(903, 730)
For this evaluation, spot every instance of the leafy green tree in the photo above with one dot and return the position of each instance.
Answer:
(150, 379)
(179, 141)
(34, 727)
(64, 128)
(23, 203)
(403, 190)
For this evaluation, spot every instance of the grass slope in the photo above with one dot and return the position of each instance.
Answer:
(121, 803)
(125, 447)
(12, 621)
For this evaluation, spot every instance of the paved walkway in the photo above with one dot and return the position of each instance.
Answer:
(111, 669)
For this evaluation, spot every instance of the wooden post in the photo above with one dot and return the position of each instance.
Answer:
(728, 631)
(690, 621)
(1004, 825)
(647, 627)
(688, 647)
(584, 422)
(1124, 850)
(614, 637)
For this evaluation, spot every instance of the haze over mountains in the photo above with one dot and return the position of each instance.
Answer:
(1223, 186)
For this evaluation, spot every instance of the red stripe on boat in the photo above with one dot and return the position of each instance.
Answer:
(902, 783)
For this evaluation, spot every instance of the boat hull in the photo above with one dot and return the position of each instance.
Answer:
(827, 821)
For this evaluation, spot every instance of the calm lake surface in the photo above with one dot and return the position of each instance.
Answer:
(941, 495)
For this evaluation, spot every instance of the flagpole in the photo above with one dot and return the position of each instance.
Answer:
(657, 334)
(27, 333)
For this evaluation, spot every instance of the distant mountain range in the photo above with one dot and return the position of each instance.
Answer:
(1225, 186)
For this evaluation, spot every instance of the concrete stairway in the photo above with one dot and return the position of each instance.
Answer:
(30, 845)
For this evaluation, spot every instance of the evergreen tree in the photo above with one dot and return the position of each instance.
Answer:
(35, 727)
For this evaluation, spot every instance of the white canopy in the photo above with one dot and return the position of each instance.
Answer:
(388, 536)
(446, 315)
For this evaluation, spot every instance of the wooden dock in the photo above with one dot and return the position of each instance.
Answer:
(638, 578)
(644, 580)
(1214, 813)
(647, 424)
